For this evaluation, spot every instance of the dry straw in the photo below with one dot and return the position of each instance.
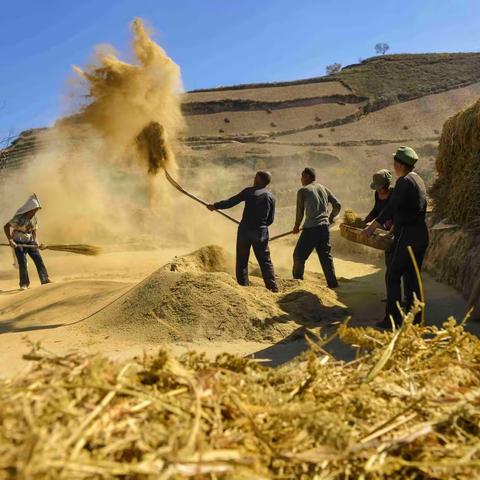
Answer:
(407, 407)
(458, 163)
(351, 219)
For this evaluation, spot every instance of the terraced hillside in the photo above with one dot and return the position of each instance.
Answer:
(347, 125)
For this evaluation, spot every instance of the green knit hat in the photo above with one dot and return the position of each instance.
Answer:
(381, 179)
(406, 155)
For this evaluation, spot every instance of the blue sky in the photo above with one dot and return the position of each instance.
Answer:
(215, 42)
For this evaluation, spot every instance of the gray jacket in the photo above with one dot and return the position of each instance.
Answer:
(312, 201)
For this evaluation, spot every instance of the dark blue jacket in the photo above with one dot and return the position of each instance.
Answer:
(407, 205)
(259, 208)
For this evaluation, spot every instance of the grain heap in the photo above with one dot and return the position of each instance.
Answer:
(408, 407)
(195, 298)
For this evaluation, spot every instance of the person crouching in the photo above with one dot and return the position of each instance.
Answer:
(21, 232)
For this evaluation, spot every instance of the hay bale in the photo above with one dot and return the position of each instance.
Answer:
(457, 188)
(408, 407)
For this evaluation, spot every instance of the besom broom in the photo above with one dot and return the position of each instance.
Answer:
(80, 249)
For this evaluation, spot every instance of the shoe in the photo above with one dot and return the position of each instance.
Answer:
(333, 286)
(47, 281)
(23, 287)
(274, 289)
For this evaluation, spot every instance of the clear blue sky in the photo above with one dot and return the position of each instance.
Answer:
(215, 42)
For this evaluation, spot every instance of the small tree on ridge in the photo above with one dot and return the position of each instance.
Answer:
(333, 68)
(382, 48)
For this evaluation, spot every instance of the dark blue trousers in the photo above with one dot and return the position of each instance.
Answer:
(34, 253)
(315, 238)
(400, 266)
(258, 240)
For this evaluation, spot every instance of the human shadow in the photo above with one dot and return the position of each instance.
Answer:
(310, 312)
(10, 326)
(298, 342)
(14, 324)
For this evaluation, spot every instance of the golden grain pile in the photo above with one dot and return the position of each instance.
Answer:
(456, 191)
(408, 407)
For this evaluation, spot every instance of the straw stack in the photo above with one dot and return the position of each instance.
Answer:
(408, 407)
(456, 191)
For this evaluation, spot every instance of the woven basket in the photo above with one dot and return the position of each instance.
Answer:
(380, 240)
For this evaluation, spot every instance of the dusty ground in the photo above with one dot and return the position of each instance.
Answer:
(56, 314)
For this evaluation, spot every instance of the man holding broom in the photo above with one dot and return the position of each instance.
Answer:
(312, 203)
(21, 232)
(258, 215)
(407, 207)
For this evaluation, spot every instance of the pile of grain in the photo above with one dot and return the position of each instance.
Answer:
(408, 407)
(456, 191)
(196, 298)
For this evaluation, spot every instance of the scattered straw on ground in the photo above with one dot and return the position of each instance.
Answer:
(408, 407)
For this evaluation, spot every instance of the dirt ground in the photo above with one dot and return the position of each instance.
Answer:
(55, 314)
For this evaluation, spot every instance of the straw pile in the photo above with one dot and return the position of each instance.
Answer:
(408, 407)
(351, 219)
(456, 191)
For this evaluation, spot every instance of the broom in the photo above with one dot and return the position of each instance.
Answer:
(79, 249)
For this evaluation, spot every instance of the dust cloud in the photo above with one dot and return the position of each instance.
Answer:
(99, 173)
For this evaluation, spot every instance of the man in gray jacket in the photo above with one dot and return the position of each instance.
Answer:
(312, 202)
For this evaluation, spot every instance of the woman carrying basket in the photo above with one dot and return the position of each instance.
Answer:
(21, 231)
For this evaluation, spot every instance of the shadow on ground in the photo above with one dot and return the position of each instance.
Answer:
(363, 297)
